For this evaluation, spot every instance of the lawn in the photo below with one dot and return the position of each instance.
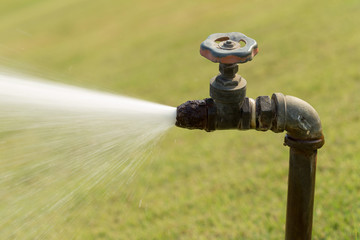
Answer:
(198, 185)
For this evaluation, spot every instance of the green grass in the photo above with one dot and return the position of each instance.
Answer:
(222, 185)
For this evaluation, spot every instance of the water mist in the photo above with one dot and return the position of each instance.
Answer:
(60, 143)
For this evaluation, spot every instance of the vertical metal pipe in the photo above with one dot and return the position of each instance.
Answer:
(301, 187)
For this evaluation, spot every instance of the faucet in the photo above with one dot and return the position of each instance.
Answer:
(229, 108)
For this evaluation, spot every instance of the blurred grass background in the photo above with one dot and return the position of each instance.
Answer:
(222, 185)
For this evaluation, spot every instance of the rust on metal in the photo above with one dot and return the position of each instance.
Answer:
(230, 59)
(192, 115)
(227, 48)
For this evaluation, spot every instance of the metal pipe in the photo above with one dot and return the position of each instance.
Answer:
(301, 187)
(278, 113)
(229, 108)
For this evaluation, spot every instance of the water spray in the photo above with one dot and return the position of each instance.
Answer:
(64, 147)
(229, 108)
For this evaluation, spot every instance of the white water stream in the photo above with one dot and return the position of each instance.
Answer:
(59, 144)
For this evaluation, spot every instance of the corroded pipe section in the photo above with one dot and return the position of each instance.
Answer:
(197, 114)
(209, 116)
(192, 115)
(278, 113)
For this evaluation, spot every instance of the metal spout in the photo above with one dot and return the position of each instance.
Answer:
(192, 115)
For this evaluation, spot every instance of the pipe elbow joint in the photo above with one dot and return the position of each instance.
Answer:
(297, 117)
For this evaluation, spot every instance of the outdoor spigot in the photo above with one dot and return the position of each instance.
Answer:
(229, 108)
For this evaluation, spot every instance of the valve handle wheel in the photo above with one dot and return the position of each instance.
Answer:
(227, 48)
